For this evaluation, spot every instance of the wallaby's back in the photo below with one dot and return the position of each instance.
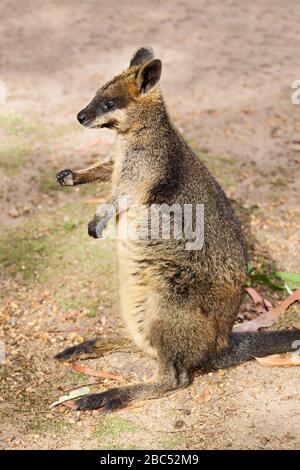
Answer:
(200, 286)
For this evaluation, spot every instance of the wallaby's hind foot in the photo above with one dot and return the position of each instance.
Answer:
(116, 398)
(93, 348)
(84, 350)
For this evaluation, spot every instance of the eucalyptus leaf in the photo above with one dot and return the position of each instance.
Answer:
(288, 289)
(291, 278)
(250, 268)
(267, 280)
(79, 392)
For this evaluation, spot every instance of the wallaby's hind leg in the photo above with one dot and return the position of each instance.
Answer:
(96, 348)
(169, 378)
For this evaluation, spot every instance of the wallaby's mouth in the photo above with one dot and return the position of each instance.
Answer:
(87, 121)
(108, 125)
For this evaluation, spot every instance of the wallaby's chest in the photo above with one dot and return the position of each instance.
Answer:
(133, 175)
(137, 299)
(118, 156)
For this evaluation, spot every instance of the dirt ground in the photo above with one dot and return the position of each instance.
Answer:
(227, 74)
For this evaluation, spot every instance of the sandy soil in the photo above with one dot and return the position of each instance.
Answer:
(228, 70)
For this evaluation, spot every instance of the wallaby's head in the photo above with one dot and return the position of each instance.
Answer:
(117, 104)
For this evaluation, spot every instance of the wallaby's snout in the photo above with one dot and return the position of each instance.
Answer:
(82, 117)
(89, 116)
(118, 103)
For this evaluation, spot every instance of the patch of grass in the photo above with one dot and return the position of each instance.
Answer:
(47, 181)
(55, 132)
(97, 190)
(114, 447)
(92, 312)
(54, 425)
(278, 182)
(78, 299)
(221, 166)
(70, 208)
(113, 426)
(80, 272)
(19, 137)
(76, 377)
(12, 123)
(15, 124)
(13, 157)
(66, 299)
(88, 190)
(69, 225)
(22, 250)
(173, 442)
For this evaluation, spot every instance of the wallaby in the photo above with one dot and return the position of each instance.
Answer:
(179, 305)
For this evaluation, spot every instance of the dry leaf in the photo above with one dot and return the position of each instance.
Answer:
(286, 303)
(276, 360)
(69, 404)
(206, 396)
(93, 372)
(268, 317)
(262, 305)
(132, 406)
(79, 392)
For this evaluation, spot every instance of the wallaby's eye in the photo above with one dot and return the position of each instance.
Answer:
(108, 105)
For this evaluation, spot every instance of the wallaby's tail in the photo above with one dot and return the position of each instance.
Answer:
(246, 345)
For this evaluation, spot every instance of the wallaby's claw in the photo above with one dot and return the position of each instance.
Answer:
(92, 228)
(110, 400)
(96, 227)
(76, 352)
(65, 177)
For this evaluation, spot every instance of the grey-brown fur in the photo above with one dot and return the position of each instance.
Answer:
(179, 305)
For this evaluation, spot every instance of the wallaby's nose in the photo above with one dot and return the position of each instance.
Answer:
(81, 117)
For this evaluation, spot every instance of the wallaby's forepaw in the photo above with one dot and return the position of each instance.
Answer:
(65, 177)
(92, 228)
(80, 351)
(96, 226)
(110, 400)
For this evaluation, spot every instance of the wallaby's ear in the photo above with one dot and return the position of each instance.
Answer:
(149, 75)
(142, 55)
